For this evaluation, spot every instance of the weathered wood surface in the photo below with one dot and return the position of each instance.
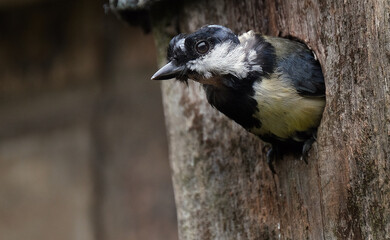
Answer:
(223, 187)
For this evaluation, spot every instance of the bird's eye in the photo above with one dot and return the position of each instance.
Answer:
(202, 47)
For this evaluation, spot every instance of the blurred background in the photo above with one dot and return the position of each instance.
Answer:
(83, 151)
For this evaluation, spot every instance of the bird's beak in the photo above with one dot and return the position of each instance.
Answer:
(170, 70)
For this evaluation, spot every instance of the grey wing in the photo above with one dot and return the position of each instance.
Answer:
(304, 71)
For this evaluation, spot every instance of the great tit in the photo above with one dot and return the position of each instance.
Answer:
(271, 86)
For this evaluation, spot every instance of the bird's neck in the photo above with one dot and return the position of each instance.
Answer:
(235, 102)
(214, 81)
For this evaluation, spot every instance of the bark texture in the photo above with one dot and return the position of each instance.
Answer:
(223, 187)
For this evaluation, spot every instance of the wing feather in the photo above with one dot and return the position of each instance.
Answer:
(299, 64)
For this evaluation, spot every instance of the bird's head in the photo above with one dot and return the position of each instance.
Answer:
(204, 56)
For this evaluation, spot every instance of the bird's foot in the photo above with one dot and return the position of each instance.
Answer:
(271, 156)
(306, 147)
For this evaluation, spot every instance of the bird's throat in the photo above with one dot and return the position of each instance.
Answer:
(215, 81)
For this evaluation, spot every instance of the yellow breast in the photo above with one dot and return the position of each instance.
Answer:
(282, 111)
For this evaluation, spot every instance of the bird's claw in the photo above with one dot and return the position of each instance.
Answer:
(305, 149)
(270, 159)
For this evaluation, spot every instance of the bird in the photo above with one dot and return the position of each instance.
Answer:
(272, 86)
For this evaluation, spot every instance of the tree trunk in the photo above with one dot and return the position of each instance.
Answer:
(223, 186)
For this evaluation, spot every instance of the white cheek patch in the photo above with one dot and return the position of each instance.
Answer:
(224, 59)
(253, 62)
(246, 36)
(252, 56)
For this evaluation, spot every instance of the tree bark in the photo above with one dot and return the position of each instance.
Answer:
(223, 186)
